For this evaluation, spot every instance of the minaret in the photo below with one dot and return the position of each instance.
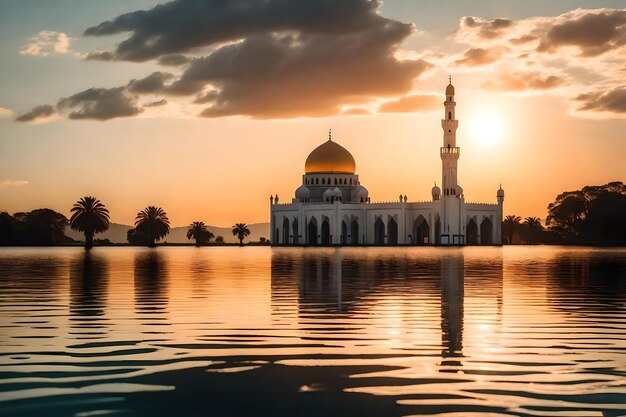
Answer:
(449, 151)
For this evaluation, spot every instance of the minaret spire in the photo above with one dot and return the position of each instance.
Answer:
(330, 134)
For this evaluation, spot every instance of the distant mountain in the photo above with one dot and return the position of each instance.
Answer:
(117, 233)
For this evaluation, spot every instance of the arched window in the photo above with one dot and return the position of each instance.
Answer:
(449, 115)
(329, 181)
(350, 181)
(335, 181)
(317, 180)
(323, 181)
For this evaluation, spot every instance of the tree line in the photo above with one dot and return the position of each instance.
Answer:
(594, 215)
(90, 216)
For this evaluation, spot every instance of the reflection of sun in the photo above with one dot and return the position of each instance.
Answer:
(487, 128)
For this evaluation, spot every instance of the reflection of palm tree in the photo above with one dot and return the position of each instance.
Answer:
(151, 274)
(511, 224)
(241, 231)
(90, 217)
(153, 223)
(88, 288)
(199, 232)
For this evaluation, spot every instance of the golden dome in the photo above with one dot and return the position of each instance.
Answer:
(330, 157)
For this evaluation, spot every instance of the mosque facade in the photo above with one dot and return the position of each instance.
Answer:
(332, 207)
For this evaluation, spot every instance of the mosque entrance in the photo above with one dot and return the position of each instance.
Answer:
(486, 232)
(471, 233)
(421, 231)
(379, 232)
(326, 232)
(312, 232)
(354, 232)
(392, 232)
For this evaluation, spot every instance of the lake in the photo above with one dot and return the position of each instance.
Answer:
(256, 331)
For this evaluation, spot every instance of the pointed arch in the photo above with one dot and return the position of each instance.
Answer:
(354, 231)
(285, 236)
(325, 234)
(295, 231)
(421, 231)
(471, 232)
(486, 232)
(312, 231)
(392, 231)
(379, 231)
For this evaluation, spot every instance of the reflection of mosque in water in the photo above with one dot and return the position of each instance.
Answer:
(340, 284)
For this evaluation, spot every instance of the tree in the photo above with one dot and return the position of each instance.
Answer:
(262, 240)
(199, 232)
(241, 231)
(532, 229)
(153, 223)
(89, 216)
(594, 214)
(136, 238)
(219, 240)
(510, 225)
(41, 227)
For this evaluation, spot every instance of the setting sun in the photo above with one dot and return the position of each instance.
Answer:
(487, 128)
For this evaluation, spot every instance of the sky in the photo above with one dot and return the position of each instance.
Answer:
(206, 107)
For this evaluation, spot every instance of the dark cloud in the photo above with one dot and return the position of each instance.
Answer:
(613, 101)
(100, 104)
(487, 29)
(524, 81)
(265, 76)
(153, 83)
(185, 25)
(410, 104)
(39, 112)
(157, 103)
(475, 57)
(174, 60)
(593, 32)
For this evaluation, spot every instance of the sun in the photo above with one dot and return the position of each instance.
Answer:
(487, 128)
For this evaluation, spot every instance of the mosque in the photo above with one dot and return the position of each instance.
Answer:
(332, 207)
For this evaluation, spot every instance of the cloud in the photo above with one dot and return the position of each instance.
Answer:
(355, 111)
(45, 43)
(523, 82)
(260, 59)
(101, 104)
(157, 103)
(475, 57)
(612, 101)
(5, 112)
(485, 28)
(593, 32)
(184, 25)
(37, 113)
(410, 104)
(13, 183)
(153, 83)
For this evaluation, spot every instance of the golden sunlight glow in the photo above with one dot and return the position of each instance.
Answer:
(487, 128)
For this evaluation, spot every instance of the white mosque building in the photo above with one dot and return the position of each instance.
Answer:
(332, 207)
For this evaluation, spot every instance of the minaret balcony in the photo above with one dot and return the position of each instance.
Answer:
(447, 150)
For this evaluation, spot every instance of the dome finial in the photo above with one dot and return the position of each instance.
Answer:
(450, 78)
(330, 134)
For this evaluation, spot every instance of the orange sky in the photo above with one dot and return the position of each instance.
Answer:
(561, 124)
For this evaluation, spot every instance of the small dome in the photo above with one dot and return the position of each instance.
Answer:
(337, 192)
(436, 190)
(500, 192)
(330, 157)
(303, 192)
(361, 193)
(328, 195)
(458, 190)
(450, 89)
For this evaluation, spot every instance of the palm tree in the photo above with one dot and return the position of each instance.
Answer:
(511, 224)
(153, 223)
(89, 216)
(241, 231)
(533, 227)
(199, 232)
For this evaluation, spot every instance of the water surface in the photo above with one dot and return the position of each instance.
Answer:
(180, 331)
